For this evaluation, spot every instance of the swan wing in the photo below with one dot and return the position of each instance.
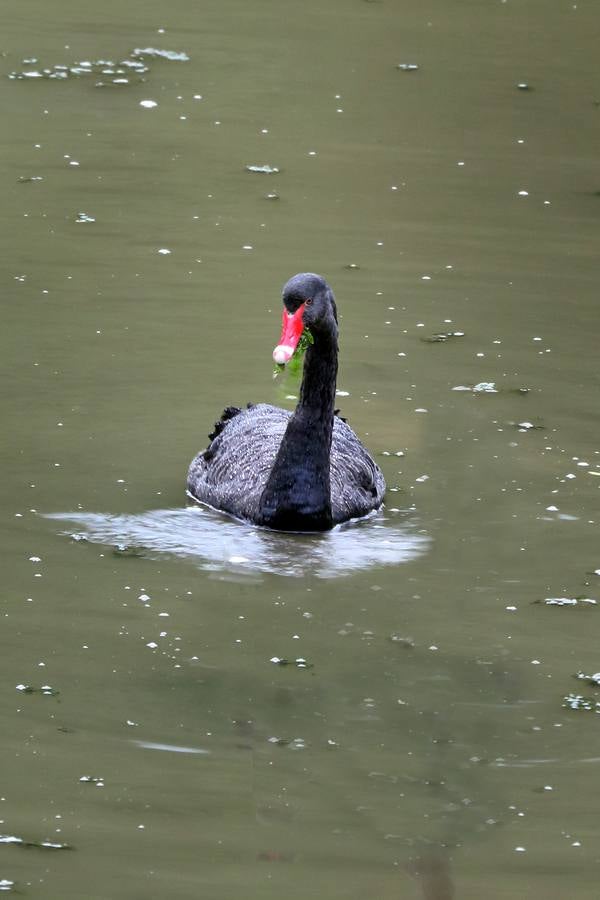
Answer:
(232, 472)
(357, 482)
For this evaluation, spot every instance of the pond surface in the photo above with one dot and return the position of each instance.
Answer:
(192, 707)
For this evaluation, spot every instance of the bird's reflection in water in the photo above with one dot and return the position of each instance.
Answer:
(431, 870)
(219, 544)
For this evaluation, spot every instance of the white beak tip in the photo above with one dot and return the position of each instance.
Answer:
(282, 354)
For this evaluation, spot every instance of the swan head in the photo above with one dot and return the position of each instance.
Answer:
(308, 302)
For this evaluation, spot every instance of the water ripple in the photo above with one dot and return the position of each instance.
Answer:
(219, 544)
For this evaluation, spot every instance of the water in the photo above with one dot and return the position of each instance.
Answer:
(219, 545)
(195, 707)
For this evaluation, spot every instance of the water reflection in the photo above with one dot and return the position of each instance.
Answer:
(170, 748)
(219, 544)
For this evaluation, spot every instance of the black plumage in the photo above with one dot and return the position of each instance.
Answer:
(300, 471)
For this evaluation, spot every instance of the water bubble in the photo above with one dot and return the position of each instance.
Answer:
(173, 55)
(263, 170)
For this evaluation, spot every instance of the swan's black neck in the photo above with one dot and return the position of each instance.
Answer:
(297, 496)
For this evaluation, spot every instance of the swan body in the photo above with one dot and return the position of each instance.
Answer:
(300, 471)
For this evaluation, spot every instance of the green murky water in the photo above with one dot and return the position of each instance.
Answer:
(195, 708)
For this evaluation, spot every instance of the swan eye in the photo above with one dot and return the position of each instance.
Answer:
(308, 301)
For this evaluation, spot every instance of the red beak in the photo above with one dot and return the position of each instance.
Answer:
(291, 332)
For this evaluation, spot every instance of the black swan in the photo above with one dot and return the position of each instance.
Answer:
(300, 471)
